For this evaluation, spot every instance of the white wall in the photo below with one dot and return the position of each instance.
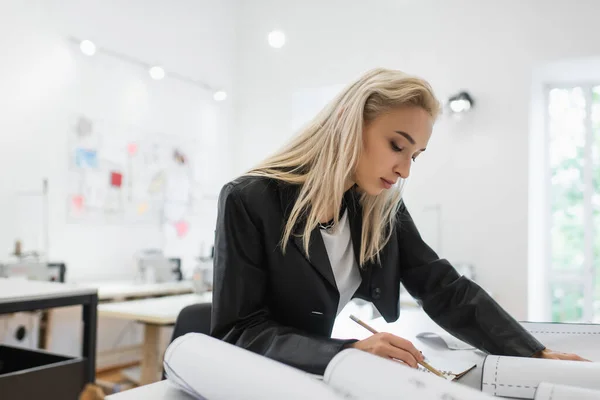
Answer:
(45, 79)
(476, 170)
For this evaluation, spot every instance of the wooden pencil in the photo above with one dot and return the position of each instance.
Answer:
(374, 331)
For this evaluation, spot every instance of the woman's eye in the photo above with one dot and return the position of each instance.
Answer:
(395, 148)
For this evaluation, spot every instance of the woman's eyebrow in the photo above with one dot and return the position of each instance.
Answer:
(409, 138)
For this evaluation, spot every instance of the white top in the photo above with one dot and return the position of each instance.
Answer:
(340, 251)
(16, 289)
(160, 310)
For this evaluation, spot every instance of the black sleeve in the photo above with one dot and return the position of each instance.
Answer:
(456, 303)
(240, 313)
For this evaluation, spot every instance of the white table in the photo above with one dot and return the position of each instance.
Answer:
(113, 348)
(121, 290)
(24, 295)
(412, 321)
(153, 313)
(161, 390)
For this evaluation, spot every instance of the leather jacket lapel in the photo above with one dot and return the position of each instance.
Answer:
(355, 219)
(352, 199)
(317, 257)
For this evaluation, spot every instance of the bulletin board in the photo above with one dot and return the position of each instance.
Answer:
(122, 174)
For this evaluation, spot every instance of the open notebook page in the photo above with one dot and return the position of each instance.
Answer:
(552, 391)
(367, 376)
(519, 377)
(209, 368)
(581, 339)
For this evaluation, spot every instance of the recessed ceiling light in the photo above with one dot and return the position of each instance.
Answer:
(220, 95)
(87, 47)
(157, 72)
(276, 39)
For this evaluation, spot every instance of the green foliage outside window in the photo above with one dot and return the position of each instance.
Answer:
(567, 134)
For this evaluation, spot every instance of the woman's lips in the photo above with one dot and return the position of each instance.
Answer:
(387, 184)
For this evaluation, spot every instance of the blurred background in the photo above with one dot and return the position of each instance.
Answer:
(121, 120)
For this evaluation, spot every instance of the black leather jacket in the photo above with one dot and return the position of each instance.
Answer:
(283, 306)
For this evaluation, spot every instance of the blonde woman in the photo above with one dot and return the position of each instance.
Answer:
(322, 221)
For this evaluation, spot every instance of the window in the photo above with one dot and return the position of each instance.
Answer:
(573, 133)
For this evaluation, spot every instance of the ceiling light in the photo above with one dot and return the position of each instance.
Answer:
(87, 47)
(276, 39)
(220, 95)
(461, 102)
(157, 73)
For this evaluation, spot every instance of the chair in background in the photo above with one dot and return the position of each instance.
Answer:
(176, 264)
(154, 267)
(192, 319)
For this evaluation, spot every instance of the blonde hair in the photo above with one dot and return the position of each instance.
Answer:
(322, 157)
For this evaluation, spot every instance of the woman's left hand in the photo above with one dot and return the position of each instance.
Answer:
(555, 355)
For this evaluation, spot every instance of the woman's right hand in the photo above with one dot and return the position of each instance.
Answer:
(390, 346)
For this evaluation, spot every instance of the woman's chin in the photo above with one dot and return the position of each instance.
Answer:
(373, 191)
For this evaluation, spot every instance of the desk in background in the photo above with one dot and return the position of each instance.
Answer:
(119, 341)
(121, 290)
(28, 329)
(22, 295)
(153, 314)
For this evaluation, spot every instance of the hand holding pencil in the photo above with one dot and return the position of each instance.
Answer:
(391, 346)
